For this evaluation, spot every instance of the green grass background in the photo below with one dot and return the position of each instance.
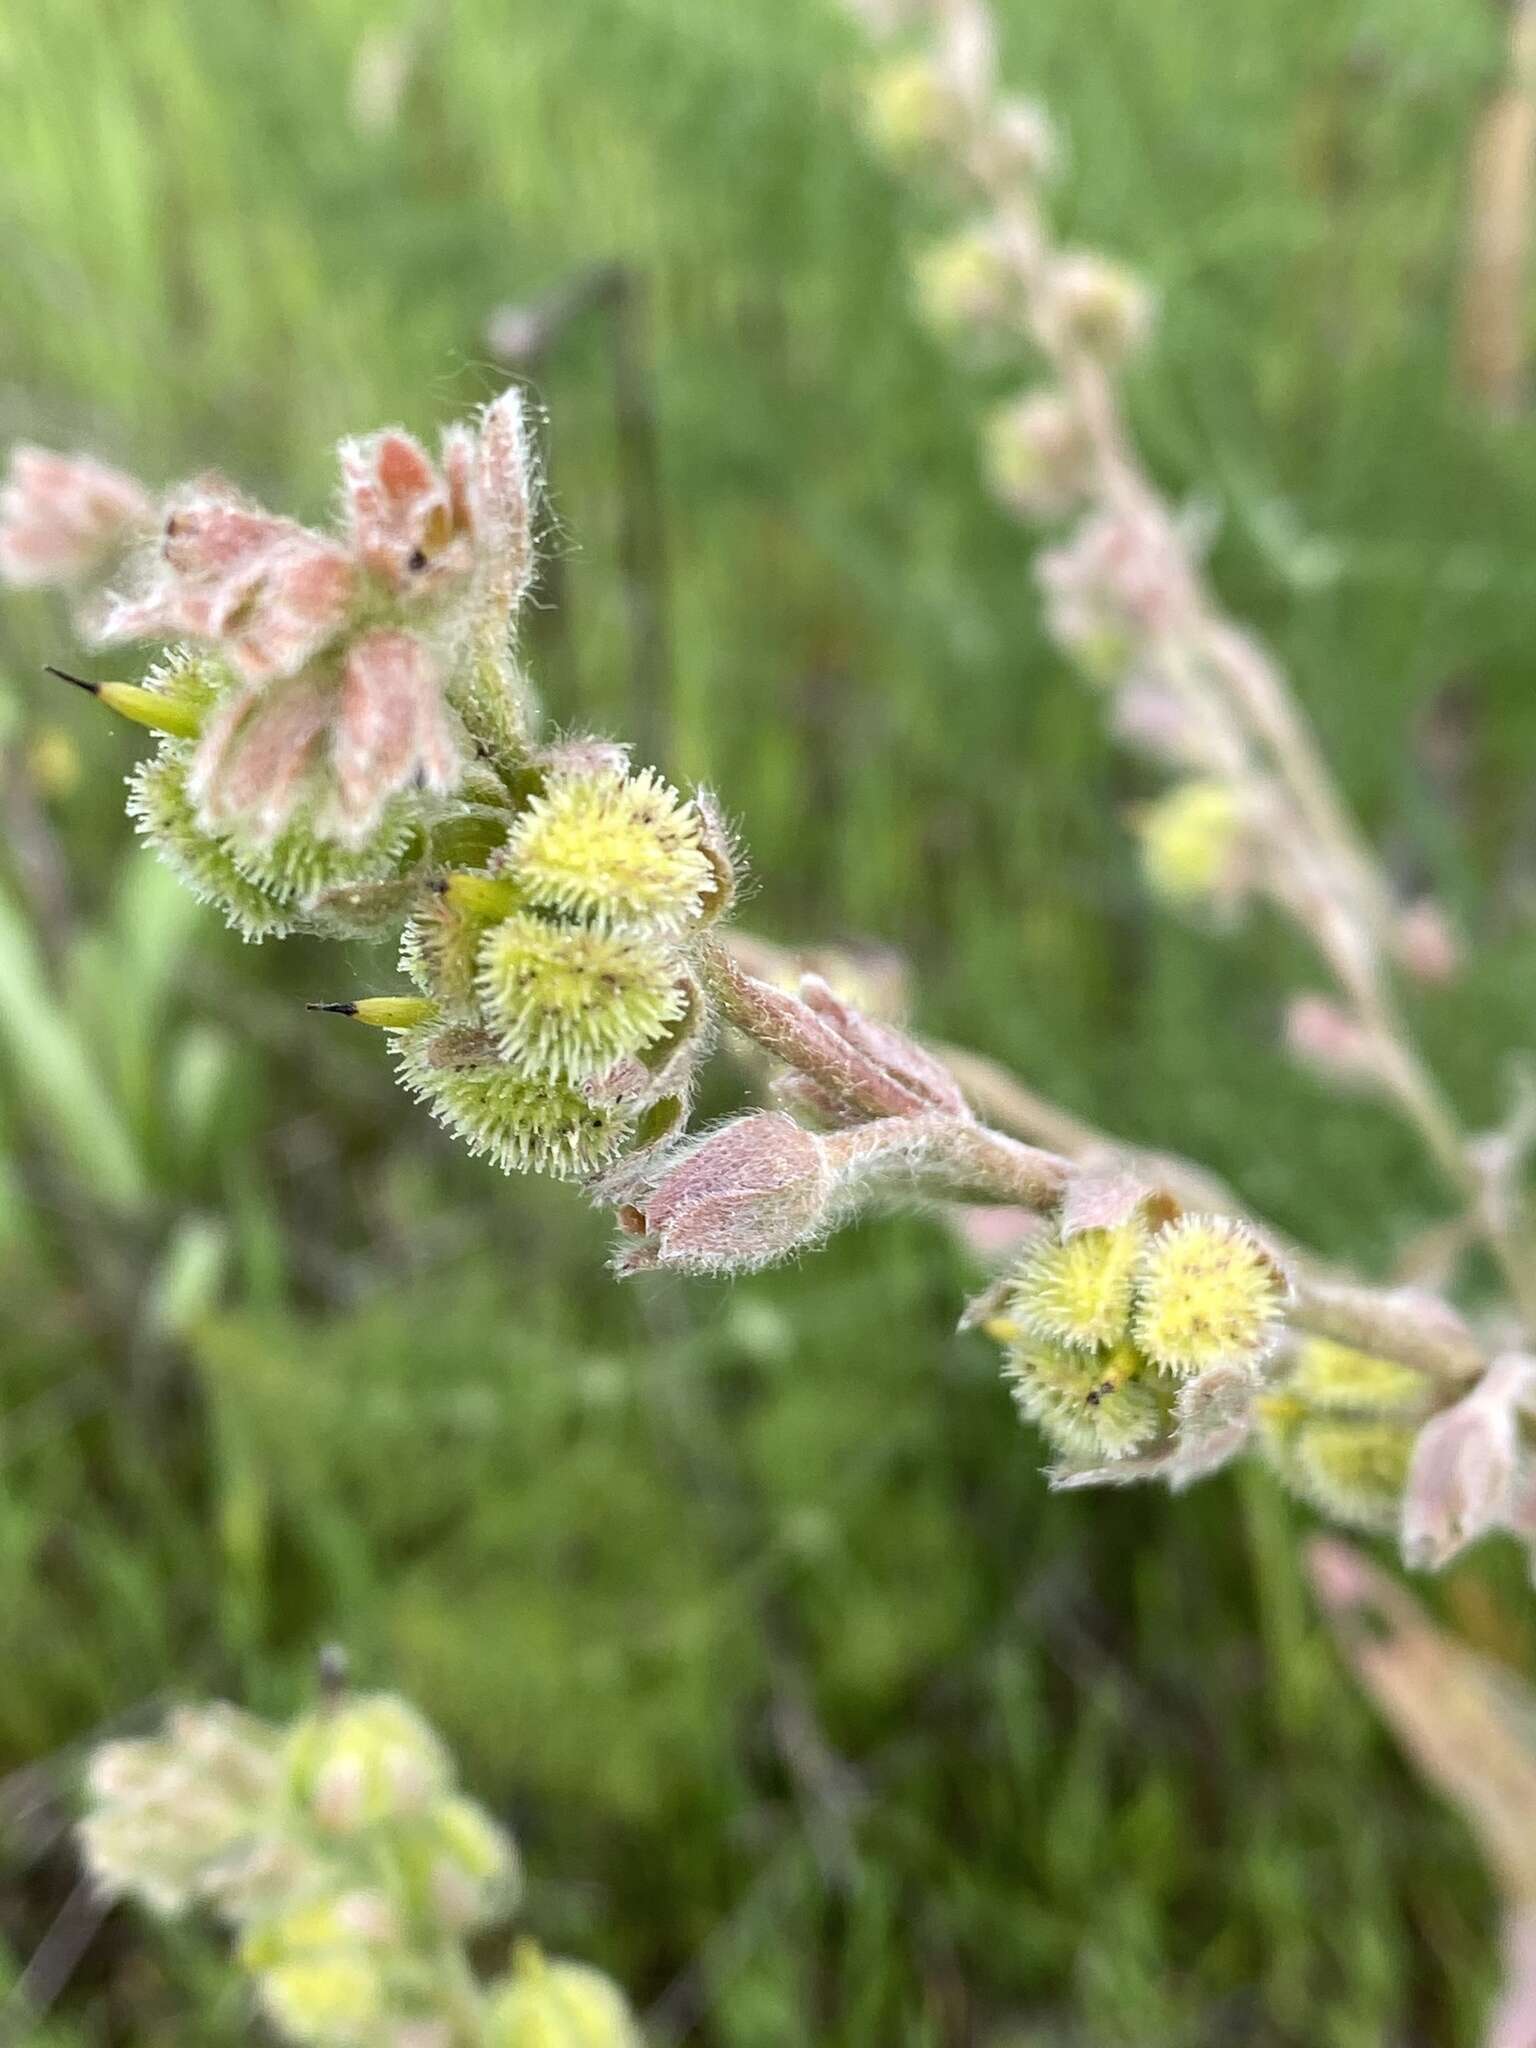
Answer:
(281, 1369)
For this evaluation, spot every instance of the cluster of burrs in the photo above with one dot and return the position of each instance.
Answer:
(1131, 1328)
(346, 747)
(351, 1871)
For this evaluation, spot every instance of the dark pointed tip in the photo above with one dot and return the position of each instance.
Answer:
(438, 885)
(334, 1009)
(80, 682)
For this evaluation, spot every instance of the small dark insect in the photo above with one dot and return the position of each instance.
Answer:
(417, 559)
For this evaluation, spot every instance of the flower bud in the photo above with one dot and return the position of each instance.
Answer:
(970, 284)
(1208, 1293)
(1018, 145)
(1038, 456)
(1090, 303)
(548, 2003)
(1321, 1034)
(1464, 1468)
(911, 110)
(1118, 580)
(461, 1868)
(1425, 944)
(65, 519)
(366, 1761)
(749, 1192)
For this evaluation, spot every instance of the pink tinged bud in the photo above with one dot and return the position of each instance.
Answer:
(339, 1798)
(504, 489)
(750, 1192)
(1462, 1478)
(1319, 1034)
(1153, 719)
(1120, 579)
(62, 517)
(1020, 142)
(902, 1059)
(254, 754)
(995, 1232)
(400, 513)
(1106, 1191)
(391, 727)
(1425, 945)
(1512, 2021)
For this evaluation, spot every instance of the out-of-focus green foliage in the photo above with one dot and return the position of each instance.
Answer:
(746, 1604)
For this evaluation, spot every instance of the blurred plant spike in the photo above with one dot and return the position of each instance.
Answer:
(346, 745)
(1469, 1726)
(351, 1872)
(1125, 594)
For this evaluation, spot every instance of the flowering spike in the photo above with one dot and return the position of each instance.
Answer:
(1208, 1293)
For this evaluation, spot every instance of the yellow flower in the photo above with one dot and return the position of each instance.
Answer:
(366, 1761)
(910, 109)
(547, 2002)
(967, 281)
(1208, 1294)
(615, 848)
(1189, 841)
(336, 2001)
(1080, 1292)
